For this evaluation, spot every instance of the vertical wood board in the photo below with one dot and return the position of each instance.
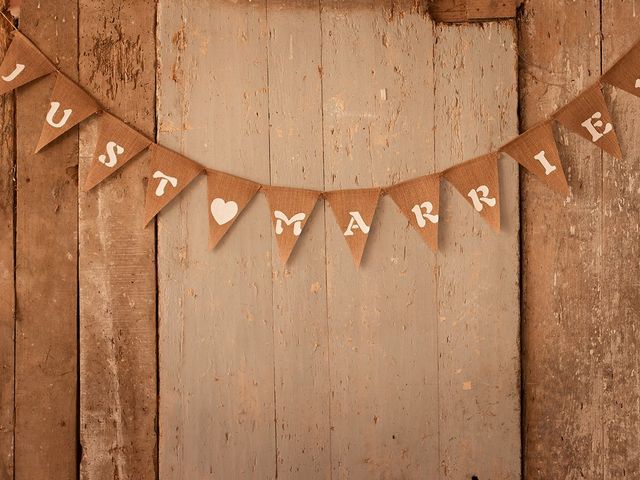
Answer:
(378, 129)
(215, 308)
(117, 256)
(478, 274)
(46, 267)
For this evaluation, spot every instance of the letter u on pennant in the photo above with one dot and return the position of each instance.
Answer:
(69, 105)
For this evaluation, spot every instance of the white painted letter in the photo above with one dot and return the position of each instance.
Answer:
(16, 71)
(356, 222)
(421, 216)
(296, 221)
(113, 149)
(592, 127)
(477, 200)
(164, 180)
(52, 111)
(548, 168)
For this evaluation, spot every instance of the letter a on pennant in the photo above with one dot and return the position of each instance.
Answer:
(290, 209)
(22, 64)
(117, 144)
(354, 211)
(69, 105)
(419, 201)
(536, 151)
(228, 196)
(477, 181)
(169, 173)
(589, 117)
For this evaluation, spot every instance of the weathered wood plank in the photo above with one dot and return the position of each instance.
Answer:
(620, 224)
(378, 129)
(46, 266)
(117, 256)
(215, 308)
(566, 348)
(478, 269)
(7, 285)
(299, 289)
(451, 11)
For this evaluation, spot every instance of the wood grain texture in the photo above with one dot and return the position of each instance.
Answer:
(7, 283)
(215, 308)
(301, 343)
(478, 269)
(452, 11)
(620, 226)
(46, 267)
(117, 256)
(567, 356)
(378, 129)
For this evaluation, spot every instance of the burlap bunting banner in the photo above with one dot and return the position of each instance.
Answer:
(477, 181)
(419, 200)
(168, 173)
(589, 117)
(290, 209)
(117, 144)
(228, 196)
(536, 150)
(625, 74)
(22, 64)
(354, 211)
(69, 105)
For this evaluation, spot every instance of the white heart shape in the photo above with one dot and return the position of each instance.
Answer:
(223, 212)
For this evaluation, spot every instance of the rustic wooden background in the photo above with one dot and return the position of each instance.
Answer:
(131, 353)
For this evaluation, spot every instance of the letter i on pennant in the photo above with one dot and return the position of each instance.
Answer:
(477, 181)
(69, 105)
(536, 151)
(117, 144)
(290, 210)
(354, 211)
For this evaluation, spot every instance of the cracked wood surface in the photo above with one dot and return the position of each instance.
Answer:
(118, 400)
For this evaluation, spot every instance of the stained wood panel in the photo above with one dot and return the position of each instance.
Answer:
(620, 224)
(117, 256)
(46, 266)
(215, 308)
(7, 285)
(566, 348)
(478, 274)
(378, 129)
(301, 343)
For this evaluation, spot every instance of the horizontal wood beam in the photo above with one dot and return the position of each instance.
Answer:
(453, 11)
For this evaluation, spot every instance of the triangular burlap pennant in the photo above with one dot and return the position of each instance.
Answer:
(354, 211)
(22, 64)
(169, 174)
(228, 196)
(589, 117)
(625, 74)
(290, 210)
(117, 144)
(477, 181)
(536, 151)
(69, 105)
(419, 200)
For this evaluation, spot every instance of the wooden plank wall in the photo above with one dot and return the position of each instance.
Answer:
(316, 370)
(579, 295)
(7, 279)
